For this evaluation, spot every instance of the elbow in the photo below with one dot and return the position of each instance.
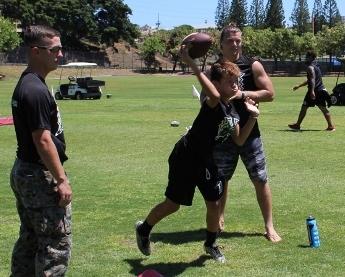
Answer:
(270, 96)
(215, 97)
(239, 142)
(41, 143)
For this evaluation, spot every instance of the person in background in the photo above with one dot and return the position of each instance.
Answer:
(316, 94)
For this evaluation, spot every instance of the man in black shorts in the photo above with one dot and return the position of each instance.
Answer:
(316, 94)
(191, 163)
(255, 84)
(38, 179)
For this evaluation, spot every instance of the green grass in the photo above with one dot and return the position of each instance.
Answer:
(118, 150)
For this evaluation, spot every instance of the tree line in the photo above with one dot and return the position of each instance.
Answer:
(272, 15)
(95, 21)
(280, 44)
(102, 22)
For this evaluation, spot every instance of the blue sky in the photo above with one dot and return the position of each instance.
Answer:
(197, 13)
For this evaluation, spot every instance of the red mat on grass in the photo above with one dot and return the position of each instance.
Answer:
(8, 120)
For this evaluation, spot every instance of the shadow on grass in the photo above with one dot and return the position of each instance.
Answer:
(303, 246)
(195, 235)
(166, 269)
(300, 131)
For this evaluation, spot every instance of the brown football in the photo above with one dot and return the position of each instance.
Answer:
(200, 43)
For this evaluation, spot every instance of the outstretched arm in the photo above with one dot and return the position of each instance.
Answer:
(213, 96)
(300, 85)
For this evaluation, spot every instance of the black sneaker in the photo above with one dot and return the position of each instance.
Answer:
(143, 243)
(294, 126)
(215, 253)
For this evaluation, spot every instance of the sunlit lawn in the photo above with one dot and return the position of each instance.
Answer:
(118, 150)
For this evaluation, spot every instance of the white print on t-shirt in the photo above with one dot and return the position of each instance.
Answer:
(208, 175)
(59, 122)
(219, 187)
(241, 81)
(227, 126)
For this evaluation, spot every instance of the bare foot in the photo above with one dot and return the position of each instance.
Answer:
(272, 236)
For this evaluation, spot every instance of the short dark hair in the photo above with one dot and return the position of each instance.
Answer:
(231, 28)
(311, 53)
(35, 34)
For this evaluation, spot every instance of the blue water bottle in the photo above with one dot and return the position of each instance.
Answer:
(313, 232)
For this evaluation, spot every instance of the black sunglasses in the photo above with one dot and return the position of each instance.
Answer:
(54, 49)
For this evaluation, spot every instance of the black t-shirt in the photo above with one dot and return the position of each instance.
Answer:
(246, 82)
(33, 108)
(212, 125)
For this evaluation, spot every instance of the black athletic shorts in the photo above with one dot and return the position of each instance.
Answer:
(321, 99)
(186, 172)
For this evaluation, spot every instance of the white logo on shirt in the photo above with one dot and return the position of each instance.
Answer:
(59, 122)
(241, 81)
(208, 175)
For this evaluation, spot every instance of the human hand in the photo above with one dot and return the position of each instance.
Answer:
(295, 88)
(65, 192)
(184, 54)
(238, 94)
(251, 107)
(312, 95)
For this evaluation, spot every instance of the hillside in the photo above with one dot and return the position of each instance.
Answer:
(122, 55)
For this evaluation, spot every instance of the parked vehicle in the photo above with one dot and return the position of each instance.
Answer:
(79, 87)
(338, 95)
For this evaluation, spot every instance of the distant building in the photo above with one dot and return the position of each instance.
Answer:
(18, 25)
(147, 30)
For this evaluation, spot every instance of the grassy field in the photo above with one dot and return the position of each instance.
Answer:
(118, 150)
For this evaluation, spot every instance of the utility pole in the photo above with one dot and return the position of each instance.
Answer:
(158, 23)
(313, 23)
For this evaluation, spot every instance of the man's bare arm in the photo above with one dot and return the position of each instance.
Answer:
(265, 91)
(50, 157)
(311, 81)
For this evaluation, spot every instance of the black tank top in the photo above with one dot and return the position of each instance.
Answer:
(318, 77)
(246, 82)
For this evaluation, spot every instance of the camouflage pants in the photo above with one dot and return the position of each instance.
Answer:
(44, 244)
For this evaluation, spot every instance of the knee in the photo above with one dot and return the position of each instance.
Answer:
(261, 185)
(324, 110)
(213, 205)
(170, 206)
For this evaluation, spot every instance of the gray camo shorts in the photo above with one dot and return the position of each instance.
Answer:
(44, 244)
(252, 155)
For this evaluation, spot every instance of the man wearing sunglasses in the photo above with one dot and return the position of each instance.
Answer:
(38, 179)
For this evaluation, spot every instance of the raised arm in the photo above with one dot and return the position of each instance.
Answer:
(213, 96)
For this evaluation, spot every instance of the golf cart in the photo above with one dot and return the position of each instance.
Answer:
(79, 87)
(338, 95)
